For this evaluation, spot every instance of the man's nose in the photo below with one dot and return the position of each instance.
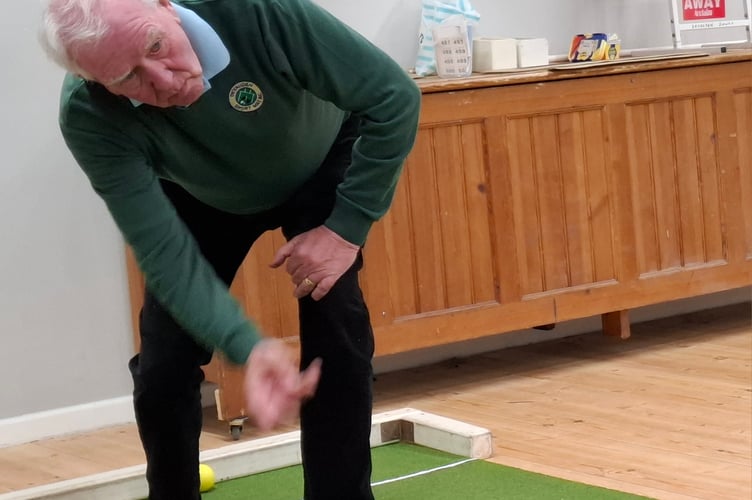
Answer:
(158, 75)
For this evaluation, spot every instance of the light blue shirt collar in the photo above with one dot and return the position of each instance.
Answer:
(212, 53)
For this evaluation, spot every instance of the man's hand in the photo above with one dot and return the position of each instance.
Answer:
(315, 260)
(274, 388)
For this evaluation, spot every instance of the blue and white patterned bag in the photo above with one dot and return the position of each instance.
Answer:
(434, 13)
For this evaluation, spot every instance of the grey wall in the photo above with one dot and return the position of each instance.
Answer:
(64, 316)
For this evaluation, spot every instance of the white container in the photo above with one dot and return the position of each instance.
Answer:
(494, 54)
(453, 50)
(532, 52)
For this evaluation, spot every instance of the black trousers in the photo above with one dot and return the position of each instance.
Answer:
(167, 374)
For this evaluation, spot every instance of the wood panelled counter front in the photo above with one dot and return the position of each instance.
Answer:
(541, 197)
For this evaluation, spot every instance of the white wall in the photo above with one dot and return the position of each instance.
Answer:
(64, 316)
(63, 313)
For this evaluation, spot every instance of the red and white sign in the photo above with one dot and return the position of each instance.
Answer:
(696, 10)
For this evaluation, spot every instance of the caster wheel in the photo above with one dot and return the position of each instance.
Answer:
(236, 428)
(235, 431)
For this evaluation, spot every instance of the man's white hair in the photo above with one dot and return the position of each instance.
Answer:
(69, 24)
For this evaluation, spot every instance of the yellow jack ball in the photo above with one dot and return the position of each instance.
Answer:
(206, 477)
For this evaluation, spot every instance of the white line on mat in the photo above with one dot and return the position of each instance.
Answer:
(423, 472)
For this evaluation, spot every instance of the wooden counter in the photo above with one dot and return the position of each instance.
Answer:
(540, 197)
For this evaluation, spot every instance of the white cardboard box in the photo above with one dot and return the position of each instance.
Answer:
(532, 52)
(494, 54)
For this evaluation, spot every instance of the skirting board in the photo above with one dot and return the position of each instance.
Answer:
(264, 454)
(78, 418)
(69, 420)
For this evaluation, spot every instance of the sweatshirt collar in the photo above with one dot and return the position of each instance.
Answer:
(211, 52)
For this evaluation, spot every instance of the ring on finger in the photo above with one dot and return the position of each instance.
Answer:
(308, 283)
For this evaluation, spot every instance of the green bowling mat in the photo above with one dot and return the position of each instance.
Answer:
(404, 471)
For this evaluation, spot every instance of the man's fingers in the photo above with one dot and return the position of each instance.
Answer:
(275, 387)
(322, 288)
(301, 291)
(263, 419)
(281, 255)
(309, 378)
(274, 409)
(259, 408)
(315, 261)
(305, 287)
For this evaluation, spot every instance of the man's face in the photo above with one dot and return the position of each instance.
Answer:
(146, 55)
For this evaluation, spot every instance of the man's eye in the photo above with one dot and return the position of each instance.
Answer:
(128, 81)
(156, 47)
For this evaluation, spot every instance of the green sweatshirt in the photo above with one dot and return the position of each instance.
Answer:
(245, 146)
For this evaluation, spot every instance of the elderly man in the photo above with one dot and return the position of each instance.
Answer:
(203, 124)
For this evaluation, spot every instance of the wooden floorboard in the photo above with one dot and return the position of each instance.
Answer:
(666, 413)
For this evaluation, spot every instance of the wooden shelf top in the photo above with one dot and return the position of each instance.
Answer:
(569, 71)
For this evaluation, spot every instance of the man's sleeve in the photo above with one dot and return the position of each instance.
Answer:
(337, 64)
(174, 269)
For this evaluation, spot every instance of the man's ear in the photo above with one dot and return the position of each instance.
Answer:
(168, 5)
